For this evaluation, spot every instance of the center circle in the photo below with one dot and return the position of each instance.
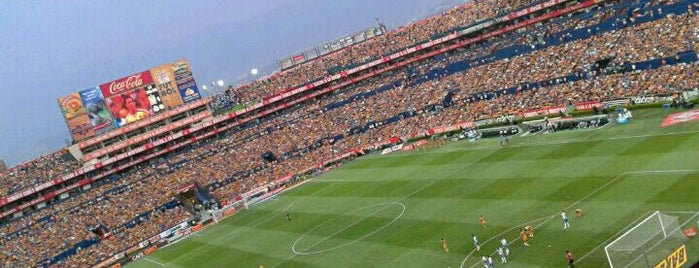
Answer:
(383, 207)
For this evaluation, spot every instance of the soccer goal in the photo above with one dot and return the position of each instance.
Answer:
(646, 243)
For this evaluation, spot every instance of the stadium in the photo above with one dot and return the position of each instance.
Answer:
(498, 133)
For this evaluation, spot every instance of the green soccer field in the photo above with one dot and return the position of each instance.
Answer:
(392, 211)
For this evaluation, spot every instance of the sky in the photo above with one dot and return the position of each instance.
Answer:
(52, 48)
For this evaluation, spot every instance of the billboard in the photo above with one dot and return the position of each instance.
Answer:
(164, 79)
(185, 81)
(97, 111)
(132, 98)
(129, 99)
(76, 117)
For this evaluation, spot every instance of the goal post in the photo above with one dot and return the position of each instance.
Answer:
(637, 247)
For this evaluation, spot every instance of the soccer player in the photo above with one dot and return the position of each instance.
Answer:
(529, 230)
(503, 242)
(503, 257)
(484, 222)
(564, 217)
(475, 243)
(288, 216)
(445, 246)
(524, 237)
(579, 212)
(569, 257)
(490, 262)
(485, 261)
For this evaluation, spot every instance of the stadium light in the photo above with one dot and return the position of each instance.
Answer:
(253, 71)
(220, 83)
(204, 87)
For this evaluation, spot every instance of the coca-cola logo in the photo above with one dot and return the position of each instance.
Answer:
(131, 82)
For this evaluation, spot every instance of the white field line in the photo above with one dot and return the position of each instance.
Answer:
(596, 191)
(254, 223)
(509, 242)
(158, 263)
(534, 144)
(679, 212)
(417, 191)
(598, 130)
(664, 171)
(605, 139)
(303, 252)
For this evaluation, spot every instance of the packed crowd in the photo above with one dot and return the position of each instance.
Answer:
(393, 41)
(305, 135)
(37, 171)
(663, 38)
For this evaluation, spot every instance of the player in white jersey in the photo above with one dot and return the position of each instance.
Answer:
(475, 243)
(503, 242)
(501, 252)
(564, 217)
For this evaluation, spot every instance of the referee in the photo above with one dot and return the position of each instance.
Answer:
(569, 257)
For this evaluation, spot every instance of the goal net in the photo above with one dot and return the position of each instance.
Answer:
(646, 243)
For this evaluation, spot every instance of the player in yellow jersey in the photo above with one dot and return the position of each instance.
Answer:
(445, 246)
(524, 237)
(529, 230)
(484, 222)
(579, 212)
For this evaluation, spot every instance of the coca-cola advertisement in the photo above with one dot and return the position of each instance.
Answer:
(128, 99)
(126, 84)
(129, 107)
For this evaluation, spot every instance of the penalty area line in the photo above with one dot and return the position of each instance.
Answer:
(553, 216)
(603, 186)
(695, 213)
(613, 236)
(545, 218)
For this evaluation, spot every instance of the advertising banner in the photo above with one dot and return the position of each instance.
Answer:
(80, 127)
(132, 98)
(96, 107)
(126, 84)
(675, 260)
(185, 81)
(682, 117)
(76, 116)
(164, 79)
(588, 106)
(544, 111)
(189, 91)
(71, 105)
